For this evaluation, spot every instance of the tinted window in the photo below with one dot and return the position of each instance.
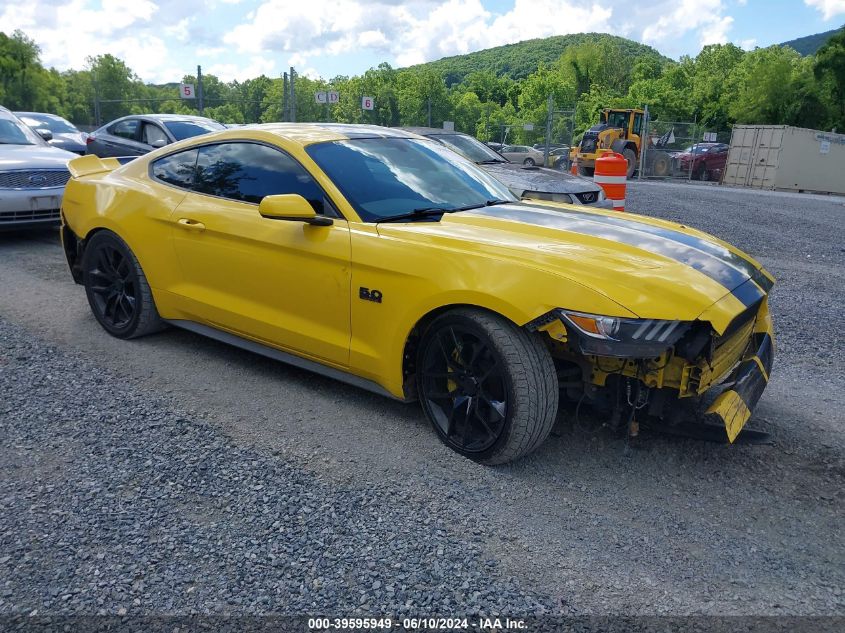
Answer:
(186, 129)
(126, 129)
(248, 172)
(388, 176)
(177, 169)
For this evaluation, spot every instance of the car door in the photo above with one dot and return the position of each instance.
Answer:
(283, 283)
(121, 139)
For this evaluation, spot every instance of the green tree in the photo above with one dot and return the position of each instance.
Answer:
(115, 86)
(765, 87)
(419, 92)
(830, 69)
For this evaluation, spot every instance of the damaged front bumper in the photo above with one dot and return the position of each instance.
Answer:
(739, 362)
(735, 404)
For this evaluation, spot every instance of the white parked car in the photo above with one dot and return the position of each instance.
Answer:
(32, 176)
(522, 154)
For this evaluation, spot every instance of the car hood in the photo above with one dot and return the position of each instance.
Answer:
(520, 179)
(33, 157)
(654, 269)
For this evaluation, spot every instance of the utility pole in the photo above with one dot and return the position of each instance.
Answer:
(643, 143)
(292, 101)
(97, 119)
(285, 98)
(199, 89)
(429, 110)
(549, 129)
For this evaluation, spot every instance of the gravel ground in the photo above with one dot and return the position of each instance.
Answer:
(174, 474)
(112, 500)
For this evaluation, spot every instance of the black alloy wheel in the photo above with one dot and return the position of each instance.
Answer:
(465, 389)
(113, 287)
(117, 289)
(488, 387)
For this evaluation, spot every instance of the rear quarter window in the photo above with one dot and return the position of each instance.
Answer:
(177, 169)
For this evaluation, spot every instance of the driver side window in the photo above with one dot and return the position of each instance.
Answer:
(249, 171)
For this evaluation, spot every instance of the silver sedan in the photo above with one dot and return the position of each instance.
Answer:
(32, 176)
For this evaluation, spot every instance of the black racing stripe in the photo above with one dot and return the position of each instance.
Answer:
(713, 260)
(698, 243)
(749, 293)
(765, 350)
(764, 282)
(750, 383)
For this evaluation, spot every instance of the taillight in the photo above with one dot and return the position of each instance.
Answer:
(89, 140)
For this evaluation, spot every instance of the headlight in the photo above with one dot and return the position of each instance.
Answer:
(626, 338)
(552, 197)
(602, 196)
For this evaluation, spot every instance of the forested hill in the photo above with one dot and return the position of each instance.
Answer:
(519, 60)
(810, 44)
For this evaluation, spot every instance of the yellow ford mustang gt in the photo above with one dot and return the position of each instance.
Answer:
(381, 258)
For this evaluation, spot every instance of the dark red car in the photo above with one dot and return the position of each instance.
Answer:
(703, 161)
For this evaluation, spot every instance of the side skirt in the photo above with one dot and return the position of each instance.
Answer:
(290, 359)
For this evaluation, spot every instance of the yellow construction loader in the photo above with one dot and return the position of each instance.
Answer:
(621, 131)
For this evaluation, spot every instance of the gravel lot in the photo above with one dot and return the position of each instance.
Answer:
(173, 474)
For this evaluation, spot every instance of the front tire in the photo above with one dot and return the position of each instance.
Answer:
(117, 289)
(529, 162)
(488, 387)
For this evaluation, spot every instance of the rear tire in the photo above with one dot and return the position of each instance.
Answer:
(488, 387)
(661, 165)
(586, 172)
(631, 157)
(117, 289)
(529, 162)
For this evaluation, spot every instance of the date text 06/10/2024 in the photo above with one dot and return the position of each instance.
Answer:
(416, 624)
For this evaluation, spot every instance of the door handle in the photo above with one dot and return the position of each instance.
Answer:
(191, 225)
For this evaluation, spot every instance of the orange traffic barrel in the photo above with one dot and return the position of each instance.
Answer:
(611, 175)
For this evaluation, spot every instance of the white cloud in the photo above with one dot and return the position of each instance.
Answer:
(828, 8)
(702, 19)
(749, 44)
(161, 39)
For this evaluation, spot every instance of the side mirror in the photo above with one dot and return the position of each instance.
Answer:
(159, 142)
(292, 207)
(44, 133)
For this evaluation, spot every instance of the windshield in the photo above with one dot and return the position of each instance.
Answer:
(13, 132)
(186, 129)
(475, 150)
(56, 125)
(383, 177)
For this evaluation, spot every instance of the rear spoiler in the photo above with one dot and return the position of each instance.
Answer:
(87, 165)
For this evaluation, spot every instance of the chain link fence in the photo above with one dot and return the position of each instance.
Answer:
(684, 150)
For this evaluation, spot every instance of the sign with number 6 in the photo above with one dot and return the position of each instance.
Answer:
(186, 91)
(367, 103)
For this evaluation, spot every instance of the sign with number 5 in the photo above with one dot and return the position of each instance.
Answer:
(367, 103)
(186, 91)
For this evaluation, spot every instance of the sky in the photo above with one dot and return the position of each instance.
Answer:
(162, 40)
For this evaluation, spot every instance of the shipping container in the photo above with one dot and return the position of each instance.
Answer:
(786, 158)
